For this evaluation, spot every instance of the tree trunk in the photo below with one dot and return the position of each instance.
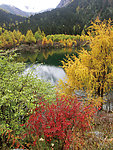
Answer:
(100, 94)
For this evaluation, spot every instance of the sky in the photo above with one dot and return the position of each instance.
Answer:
(32, 5)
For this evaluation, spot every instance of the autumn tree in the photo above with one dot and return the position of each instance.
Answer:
(30, 37)
(18, 38)
(6, 39)
(10, 39)
(39, 34)
(44, 41)
(0, 30)
(92, 71)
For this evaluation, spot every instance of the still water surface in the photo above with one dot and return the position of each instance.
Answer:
(46, 64)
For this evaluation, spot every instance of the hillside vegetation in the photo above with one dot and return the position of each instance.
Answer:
(7, 19)
(72, 19)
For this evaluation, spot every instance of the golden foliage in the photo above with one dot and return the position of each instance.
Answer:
(92, 71)
(50, 42)
(30, 37)
(44, 41)
(10, 39)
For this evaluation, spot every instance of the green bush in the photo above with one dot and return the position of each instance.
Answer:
(18, 93)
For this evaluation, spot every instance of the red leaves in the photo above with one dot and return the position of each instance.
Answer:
(56, 121)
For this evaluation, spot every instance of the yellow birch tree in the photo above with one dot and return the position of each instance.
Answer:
(92, 71)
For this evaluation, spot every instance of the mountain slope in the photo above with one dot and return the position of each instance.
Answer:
(71, 19)
(8, 18)
(15, 11)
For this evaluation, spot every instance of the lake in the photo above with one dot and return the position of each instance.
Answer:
(46, 64)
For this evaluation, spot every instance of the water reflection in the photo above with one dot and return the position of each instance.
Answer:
(46, 72)
(50, 57)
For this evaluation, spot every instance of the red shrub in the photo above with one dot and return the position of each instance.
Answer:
(59, 120)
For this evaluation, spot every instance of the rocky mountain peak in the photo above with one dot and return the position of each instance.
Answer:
(64, 3)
